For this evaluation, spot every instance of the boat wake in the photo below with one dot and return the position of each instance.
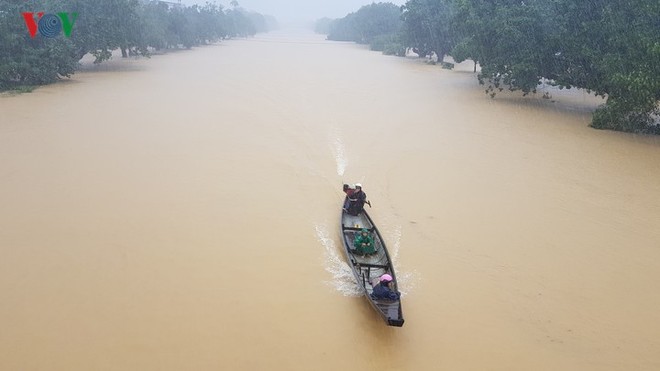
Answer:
(342, 275)
(393, 238)
(407, 280)
(339, 152)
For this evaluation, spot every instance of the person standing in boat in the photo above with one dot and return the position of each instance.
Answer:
(357, 200)
(364, 242)
(349, 189)
(383, 289)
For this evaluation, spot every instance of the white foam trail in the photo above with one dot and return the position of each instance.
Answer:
(339, 153)
(406, 280)
(342, 275)
(393, 240)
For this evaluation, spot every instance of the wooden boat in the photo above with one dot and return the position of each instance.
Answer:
(368, 268)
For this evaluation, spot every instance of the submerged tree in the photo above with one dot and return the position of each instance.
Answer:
(26, 60)
(377, 24)
(609, 47)
(239, 23)
(512, 40)
(102, 26)
(613, 49)
(427, 27)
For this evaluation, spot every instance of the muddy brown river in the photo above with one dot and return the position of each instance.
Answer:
(181, 213)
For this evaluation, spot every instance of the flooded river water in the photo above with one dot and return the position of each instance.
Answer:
(181, 213)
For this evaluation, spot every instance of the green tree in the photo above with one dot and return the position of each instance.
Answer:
(105, 25)
(372, 23)
(612, 48)
(155, 31)
(514, 42)
(427, 26)
(239, 23)
(30, 61)
(344, 29)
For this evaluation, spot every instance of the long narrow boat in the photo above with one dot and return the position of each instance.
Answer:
(368, 268)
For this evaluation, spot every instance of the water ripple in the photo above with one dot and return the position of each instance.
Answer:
(342, 275)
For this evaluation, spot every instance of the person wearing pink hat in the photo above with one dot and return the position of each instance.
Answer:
(383, 289)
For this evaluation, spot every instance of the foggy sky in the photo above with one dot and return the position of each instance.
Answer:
(297, 10)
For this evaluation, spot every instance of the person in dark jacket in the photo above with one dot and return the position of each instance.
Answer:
(349, 189)
(383, 290)
(357, 200)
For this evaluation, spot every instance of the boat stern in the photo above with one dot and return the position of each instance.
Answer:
(396, 322)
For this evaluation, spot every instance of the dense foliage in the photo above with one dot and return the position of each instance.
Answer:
(133, 26)
(609, 47)
(30, 61)
(377, 24)
(427, 27)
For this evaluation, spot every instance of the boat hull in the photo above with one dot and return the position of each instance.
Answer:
(367, 269)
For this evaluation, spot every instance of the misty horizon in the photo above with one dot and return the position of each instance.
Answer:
(288, 11)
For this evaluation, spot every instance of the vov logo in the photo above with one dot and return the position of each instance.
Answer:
(49, 25)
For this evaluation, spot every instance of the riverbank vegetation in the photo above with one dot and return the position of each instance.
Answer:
(378, 25)
(136, 27)
(608, 47)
